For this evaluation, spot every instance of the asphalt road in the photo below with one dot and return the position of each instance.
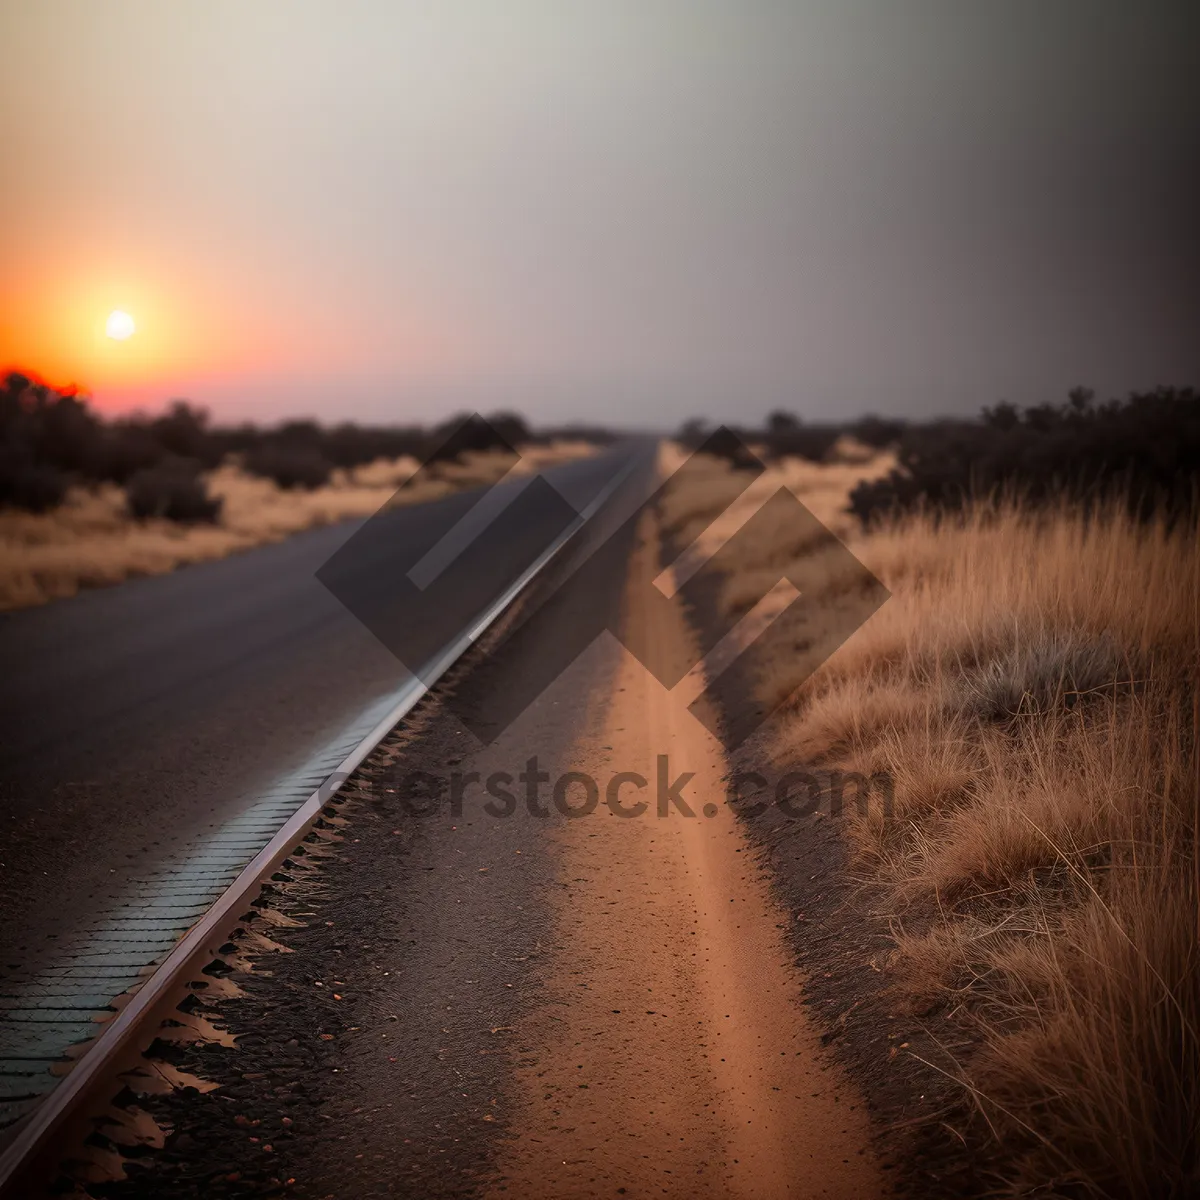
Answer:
(136, 718)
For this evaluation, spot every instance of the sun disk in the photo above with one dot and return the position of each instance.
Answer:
(119, 325)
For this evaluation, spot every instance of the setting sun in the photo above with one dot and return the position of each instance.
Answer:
(119, 325)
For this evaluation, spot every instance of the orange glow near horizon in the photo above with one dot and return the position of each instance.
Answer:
(60, 332)
(53, 325)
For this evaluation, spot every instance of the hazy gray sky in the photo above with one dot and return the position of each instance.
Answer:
(629, 212)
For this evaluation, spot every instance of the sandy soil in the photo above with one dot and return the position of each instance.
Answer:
(680, 1061)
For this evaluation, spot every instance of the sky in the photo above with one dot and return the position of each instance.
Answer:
(620, 212)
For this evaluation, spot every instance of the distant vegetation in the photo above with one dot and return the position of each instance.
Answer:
(87, 501)
(786, 436)
(1144, 450)
(51, 439)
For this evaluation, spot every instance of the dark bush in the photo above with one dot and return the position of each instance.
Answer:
(784, 436)
(510, 427)
(35, 487)
(127, 447)
(290, 449)
(462, 434)
(812, 442)
(183, 431)
(733, 450)
(237, 439)
(173, 490)
(722, 442)
(36, 442)
(48, 426)
(1145, 450)
(51, 437)
(692, 433)
(290, 464)
(729, 445)
(66, 434)
(56, 428)
(876, 431)
(781, 421)
(350, 445)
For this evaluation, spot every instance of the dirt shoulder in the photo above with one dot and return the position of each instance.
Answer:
(838, 930)
(676, 1058)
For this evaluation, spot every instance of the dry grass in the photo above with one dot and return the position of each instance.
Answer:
(711, 486)
(90, 540)
(1031, 688)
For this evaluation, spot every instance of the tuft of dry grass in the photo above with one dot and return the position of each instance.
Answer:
(91, 541)
(1051, 669)
(1097, 1080)
(1032, 689)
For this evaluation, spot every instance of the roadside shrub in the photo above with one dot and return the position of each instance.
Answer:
(127, 447)
(733, 451)
(65, 433)
(510, 426)
(173, 490)
(35, 487)
(56, 430)
(1145, 449)
(49, 427)
(346, 445)
(183, 432)
(783, 436)
(462, 435)
(721, 443)
(692, 433)
(349, 445)
(879, 432)
(51, 438)
(811, 442)
(290, 466)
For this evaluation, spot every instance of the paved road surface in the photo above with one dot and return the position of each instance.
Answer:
(136, 718)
